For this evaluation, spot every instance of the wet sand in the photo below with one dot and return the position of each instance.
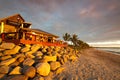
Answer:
(92, 65)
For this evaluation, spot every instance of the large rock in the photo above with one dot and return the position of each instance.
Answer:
(2, 76)
(73, 58)
(1, 49)
(8, 61)
(54, 65)
(25, 49)
(1, 54)
(5, 57)
(29, 71)
(65, 58)
(35, 47)
(38, 54)
(50, 58)
(43, 69)
(29, 55)
(7, 45)
(4, 69)
(19, 55)
(15, 71)
(59, 70)
(20, 59)
(17, 77)
(44, 50)
(14, 64)
(28, 62)
(38, 78)
(12, 51)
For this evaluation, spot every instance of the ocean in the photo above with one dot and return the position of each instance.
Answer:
(110, 49)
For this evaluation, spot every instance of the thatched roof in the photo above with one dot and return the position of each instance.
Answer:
(15, 17)
(38, 31)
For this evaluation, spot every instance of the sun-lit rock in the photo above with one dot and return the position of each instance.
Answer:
(43, 69)
(25, 49)
(7, 45)
(17, 77)
(35, 47)
(54, 65)
(12, 51)
(59, 70)
(8, 61)
(50, 58)
(4, 69)
(28, 62)
(15, 71)
(29, 71)
(5, 57)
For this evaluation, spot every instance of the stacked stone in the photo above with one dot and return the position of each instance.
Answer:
(33, 62)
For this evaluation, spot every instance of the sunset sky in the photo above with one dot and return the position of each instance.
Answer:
(94, 21)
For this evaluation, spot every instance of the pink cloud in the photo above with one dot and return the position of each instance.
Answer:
(90, 12)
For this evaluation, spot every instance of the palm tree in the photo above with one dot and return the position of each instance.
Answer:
(66, 37)
(74, 39)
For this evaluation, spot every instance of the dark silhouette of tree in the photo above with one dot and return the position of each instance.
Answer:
(66, 37)
(77, 44)
(74, 39)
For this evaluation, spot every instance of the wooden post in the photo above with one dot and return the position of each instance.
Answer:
(22, 25)
(2, 27)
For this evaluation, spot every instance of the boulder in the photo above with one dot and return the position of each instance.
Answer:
(43, 69)
(20, 59)
(19, 55)
(38, 78)
(2, 76)
(59, 70)
(61, 61)
(5, 57)
(73, 58)
(27, 45)
(28, 62)
(29, 71)
(15, 71)
(4, 69)
(50, 58)
(44, 50)
(8, 61)
(54, 65)
(65, 58)
(2, 49)
(38, 53)
(25, 49)
(35, 47)
(7, 45)
(1, 54)
(12, 51)
(29, 55)
(0, 40)
(17, 77)
(14, 64)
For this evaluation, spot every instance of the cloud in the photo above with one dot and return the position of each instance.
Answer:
(45, 5)
(92, 20)
(90, 12)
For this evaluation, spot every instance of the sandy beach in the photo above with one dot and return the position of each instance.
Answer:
(92, 65)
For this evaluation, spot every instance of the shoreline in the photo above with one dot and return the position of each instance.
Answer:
(109, 49)
(93, 64)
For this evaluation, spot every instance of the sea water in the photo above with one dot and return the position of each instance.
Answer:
(110, 49)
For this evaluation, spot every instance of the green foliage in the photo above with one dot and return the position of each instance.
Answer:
(77, 43)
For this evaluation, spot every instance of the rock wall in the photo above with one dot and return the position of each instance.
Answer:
(33, 62)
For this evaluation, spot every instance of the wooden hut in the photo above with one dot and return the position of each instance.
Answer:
(15, 29)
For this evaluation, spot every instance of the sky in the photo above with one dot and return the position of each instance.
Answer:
(96, 22)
